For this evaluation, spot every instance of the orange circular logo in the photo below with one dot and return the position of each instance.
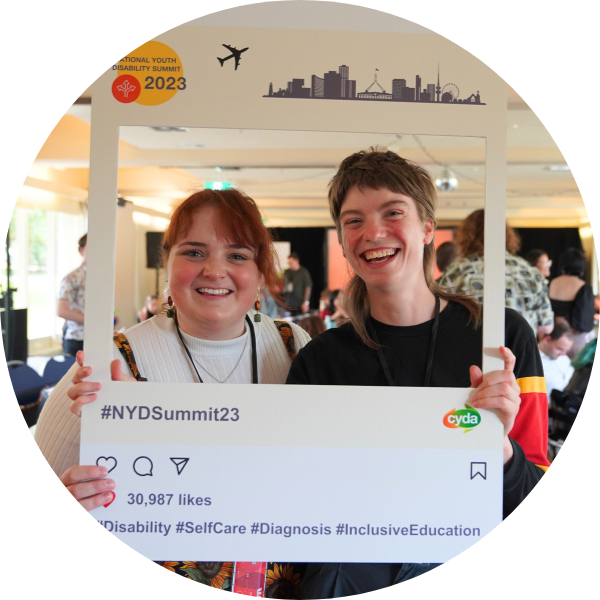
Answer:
(154, 70)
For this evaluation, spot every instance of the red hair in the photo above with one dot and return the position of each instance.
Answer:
(238, 218)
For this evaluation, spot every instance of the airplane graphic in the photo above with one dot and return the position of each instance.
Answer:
(235, 53)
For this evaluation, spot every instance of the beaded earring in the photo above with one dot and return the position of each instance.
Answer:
(257, 316)
(170, 310)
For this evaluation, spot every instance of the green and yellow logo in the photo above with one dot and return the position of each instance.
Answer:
(465, 418)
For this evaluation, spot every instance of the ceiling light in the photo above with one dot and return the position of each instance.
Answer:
(447, 182)
(165, 128)
(141, 218)
(192, 145)
(557, 168)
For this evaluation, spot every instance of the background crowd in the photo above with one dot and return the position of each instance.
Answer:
(229, 316)
(561, 309)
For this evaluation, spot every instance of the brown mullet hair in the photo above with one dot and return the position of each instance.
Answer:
(377, 169)
(238, 219)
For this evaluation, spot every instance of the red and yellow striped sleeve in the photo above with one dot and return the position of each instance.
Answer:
(532, 385)
(533, 417)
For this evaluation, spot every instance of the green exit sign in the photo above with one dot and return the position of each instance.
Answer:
(216, 185)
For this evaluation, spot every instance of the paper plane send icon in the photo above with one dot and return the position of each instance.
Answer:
(180, 464)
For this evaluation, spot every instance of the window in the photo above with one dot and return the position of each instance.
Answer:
(43, 249)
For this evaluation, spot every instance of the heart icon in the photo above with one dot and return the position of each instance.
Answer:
(111, 500)
(110, 462)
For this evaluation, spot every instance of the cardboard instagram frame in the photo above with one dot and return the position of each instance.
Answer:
(196, 85)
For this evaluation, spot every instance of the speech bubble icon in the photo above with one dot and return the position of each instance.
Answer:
(110, 462)
(143, 466)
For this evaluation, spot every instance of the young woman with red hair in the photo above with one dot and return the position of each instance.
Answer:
(217, 253)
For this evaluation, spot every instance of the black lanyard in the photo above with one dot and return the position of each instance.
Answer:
(429, 369)
(253, 341)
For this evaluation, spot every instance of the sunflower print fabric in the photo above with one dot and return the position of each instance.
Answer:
(282, 580)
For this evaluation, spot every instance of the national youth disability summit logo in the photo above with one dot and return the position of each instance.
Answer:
(150, 75)
(464, 418)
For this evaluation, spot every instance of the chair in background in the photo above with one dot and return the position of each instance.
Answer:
(56, 367)
(27, 385)
(54, 370)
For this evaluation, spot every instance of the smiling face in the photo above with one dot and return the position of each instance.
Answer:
(383, 238)
(213, 281)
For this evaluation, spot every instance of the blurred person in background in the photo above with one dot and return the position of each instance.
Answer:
(297, 286)
(71, 303)
(150, 308)
(573, 299)
(524, 283)
(339, 316)
(324, 308)
(445, 254)
(313, 325)
(540, 260)
(553, 351)
(565, 405)
(268, 305)
(582, 363)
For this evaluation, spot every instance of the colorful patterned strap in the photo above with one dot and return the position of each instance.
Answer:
(125, 349)
(287, 335)
(285, 331)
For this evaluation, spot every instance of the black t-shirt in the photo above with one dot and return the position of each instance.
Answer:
(338, 357)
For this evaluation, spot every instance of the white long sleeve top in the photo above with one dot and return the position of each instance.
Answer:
(160, 357)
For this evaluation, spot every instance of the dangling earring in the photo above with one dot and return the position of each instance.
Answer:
(170, 310)
(257, 316)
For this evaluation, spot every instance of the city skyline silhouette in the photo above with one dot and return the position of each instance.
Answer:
(337, 85)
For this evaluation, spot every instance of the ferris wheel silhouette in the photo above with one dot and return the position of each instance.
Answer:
(453, 92)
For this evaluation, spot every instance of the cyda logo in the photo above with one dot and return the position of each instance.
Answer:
(465, 418)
